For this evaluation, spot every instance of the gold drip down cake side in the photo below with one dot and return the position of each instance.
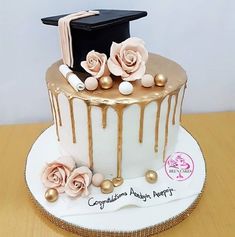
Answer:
(117, 135)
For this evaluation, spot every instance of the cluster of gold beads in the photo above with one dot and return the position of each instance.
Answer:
(105, 82)
(107, 186)
(158, 80)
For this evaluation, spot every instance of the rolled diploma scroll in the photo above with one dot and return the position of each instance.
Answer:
(72, 78)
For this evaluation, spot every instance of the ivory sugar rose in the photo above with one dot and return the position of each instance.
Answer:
(56, 173)
(128, 59)
(96, 64)
(78, 182)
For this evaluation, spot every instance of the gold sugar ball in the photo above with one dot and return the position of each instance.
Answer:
(160, 80)
(106, 186)
(106, 82)
(151, 176)
(118, 181)
(51, 195)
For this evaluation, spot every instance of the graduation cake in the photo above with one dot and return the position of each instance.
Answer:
(118, 134)
(117, 111)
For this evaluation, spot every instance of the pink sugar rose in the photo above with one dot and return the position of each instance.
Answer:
(56, 173)
(96, 64)
(128, 59)
(78, 182)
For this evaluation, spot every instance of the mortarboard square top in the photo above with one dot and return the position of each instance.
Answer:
(97, 32)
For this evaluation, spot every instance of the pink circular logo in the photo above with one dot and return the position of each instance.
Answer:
(179, 166)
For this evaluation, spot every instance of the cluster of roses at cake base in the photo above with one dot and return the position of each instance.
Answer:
(63, 176)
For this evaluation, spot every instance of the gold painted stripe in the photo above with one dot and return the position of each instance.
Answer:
(175, 107)
(182, 103)
(159, 103)
(90, 137)
(55, 114)
(119, 110)
(58, 109)
(141, 127)
(72, 120)
(167, 126)
(104, 115)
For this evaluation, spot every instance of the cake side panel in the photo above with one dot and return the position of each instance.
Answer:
(74, 128)
(104, 141)
(174, 121)
(137, 157)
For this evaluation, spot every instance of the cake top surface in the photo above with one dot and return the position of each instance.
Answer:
(156, 64)
(106, 18)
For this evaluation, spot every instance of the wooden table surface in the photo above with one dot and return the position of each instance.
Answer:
(214, 216)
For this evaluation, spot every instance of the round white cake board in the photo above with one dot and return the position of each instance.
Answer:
(128, 221)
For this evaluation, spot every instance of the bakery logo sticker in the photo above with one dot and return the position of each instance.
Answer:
(179, 166)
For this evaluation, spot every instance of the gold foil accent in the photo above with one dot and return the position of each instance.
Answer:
(167, 126)
(142, 108)
(119, 109)
(72, 120)
(182, 102)
(58, 108)
(159, 103)
(55, 114)
(90, 138)
(175, 107)
(104, 115)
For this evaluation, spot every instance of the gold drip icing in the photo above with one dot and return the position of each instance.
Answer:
(167, 126)
(142, 108)
(175, 107)
(90, 138)
(104, 109)
(175, 74)
(182, 102)
(58, 108)
(55, 114)
(72, 119)
(112, 98)
(159, 103)
(119, 110)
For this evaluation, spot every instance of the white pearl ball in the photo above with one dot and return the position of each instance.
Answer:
(91, 83)
(97, 179)
(126, 88)
(147, 80)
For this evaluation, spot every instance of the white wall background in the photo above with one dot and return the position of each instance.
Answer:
(198, 34)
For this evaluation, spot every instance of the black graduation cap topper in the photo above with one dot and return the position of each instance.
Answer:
(97, 32)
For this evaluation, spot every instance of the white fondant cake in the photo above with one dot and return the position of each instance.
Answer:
(117, 111)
